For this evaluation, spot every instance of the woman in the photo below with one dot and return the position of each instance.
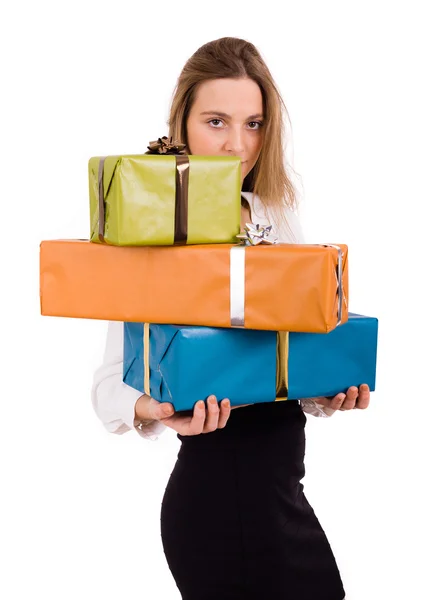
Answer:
(235, 522)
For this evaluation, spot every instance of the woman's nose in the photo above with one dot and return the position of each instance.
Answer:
(235, 142)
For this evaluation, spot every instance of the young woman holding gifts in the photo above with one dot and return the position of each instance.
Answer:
(235, 522)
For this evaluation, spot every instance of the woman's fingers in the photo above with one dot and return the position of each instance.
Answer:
(198, 419)
(188, 424)
(350, 399)
(364, 396)
(354, 398)
(166, 410)
(336, 402)
(203, 419)
(212, 418)
(224, 413)
(208, 416)
(159, 410)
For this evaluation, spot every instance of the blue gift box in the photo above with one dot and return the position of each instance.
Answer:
(189, 363)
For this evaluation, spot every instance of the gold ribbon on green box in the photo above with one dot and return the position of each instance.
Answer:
(164, 197)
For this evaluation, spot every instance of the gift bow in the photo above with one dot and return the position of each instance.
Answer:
(165, 145)
(255, 234)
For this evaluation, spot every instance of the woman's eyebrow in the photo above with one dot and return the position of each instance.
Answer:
(224, 115)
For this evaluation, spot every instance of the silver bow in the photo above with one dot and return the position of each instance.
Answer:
(255, 234)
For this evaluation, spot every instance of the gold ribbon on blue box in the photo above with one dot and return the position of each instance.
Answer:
(183, 364)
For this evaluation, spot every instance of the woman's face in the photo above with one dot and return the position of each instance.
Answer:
(226, 119)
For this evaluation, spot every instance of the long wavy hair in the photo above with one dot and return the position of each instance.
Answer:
(235, 58)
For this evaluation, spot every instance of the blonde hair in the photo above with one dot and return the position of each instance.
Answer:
(236, 58)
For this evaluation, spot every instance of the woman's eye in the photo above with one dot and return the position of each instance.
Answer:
(255, 125)
(215, 122)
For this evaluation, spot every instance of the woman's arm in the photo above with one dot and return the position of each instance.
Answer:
(122, 408)
(113, 400)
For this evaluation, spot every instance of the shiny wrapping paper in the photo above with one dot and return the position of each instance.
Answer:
(142, 199)
(278, 287)
(188, 364)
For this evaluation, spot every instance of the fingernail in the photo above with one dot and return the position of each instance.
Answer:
(168, 410)
(226, 404)
(200, 404)
(342, 396)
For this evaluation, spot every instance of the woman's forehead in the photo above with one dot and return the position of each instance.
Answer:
(229, 97)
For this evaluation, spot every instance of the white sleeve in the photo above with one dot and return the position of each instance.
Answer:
(113, 400)
(311, 407)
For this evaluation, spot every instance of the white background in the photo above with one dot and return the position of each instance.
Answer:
(363, 82)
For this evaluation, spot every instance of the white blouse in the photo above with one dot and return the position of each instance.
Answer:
(114, 401)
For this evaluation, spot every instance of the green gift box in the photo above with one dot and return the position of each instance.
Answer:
(164, 199)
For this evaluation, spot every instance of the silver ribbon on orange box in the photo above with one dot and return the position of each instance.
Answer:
(339, 275)
(255, 235)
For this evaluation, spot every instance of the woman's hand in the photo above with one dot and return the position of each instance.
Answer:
(202, 419)
(354, 398)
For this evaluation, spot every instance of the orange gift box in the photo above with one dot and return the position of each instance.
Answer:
(286, 287)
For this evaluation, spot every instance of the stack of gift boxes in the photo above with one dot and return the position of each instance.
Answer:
(206, 310)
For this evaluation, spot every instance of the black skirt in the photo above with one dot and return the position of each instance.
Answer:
(235, 522)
